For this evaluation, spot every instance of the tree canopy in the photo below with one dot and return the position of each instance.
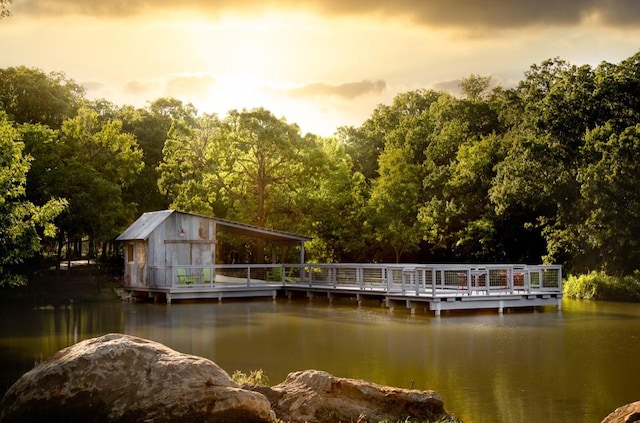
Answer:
(546, 170)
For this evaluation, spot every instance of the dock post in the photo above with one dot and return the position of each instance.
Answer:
(438, 309)
(500, 306)
(155, 298)
(559, 303)
(330, 297)
(411, 306)
(358, 300)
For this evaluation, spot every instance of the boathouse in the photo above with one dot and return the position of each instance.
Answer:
(175, 255)
(167, 251)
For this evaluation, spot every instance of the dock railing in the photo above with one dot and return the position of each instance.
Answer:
(405, 279)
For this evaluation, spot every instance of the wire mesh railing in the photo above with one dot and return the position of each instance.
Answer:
(408, 279)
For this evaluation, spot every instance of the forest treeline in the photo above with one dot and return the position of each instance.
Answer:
(546, 171)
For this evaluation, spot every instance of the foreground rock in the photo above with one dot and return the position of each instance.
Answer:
(120, 378)
(626, 414)
(314, 396)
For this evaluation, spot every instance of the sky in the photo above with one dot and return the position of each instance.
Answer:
(320, 64)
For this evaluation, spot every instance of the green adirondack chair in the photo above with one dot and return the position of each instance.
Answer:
(207, 277)
(183, 278)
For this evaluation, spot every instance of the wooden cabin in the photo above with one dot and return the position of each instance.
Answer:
(167, 251)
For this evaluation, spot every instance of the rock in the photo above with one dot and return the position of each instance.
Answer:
(120, 378)
(316, 396)
(626, 414)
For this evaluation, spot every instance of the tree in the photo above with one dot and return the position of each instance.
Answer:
(22, 223)
(151, 126)
(543, 174)
(185, 168)
(86, 162)
(609, 234)
(366, 143)
(251, 167)
(475, 87)
(4, 8)
(447, 209)
(32, 96)
(336, 203)
(394, 203)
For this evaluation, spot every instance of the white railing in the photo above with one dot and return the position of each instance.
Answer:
(409, 279)
(429, 279)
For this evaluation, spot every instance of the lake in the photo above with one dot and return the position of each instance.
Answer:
(576, 365)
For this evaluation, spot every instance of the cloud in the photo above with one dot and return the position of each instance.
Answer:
(451, 86)
(465, 14)
(189, 85)
(347, 90)
(93, 85)
(139, 87)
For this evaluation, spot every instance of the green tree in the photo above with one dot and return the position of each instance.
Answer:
(336, 203)
(22, 223)
(185, 166)
(31, 96)
(250, 166)
(542, 176)
(150, 126)
(610, 233)
(87, 162)
(457, 167)
(394, 203)
(260, 161)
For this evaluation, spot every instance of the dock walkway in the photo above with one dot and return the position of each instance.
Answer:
(434, 286)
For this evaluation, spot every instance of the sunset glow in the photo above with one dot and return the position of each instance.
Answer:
(320, 64)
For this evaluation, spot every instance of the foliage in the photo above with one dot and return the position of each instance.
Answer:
(254, 378)
(598, 285)
(31, 96)
(543, 171)
(4, 8)
(22, 223)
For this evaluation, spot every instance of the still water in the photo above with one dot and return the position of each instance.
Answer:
(536, 366)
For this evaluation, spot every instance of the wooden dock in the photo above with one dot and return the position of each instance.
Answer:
(437, 287)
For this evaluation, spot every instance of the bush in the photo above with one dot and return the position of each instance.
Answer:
(600, 286)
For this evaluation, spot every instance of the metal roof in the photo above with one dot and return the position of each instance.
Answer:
(142, 228)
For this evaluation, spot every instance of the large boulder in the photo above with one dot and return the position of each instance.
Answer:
(626, 414)
(316, 396)
(121, 378)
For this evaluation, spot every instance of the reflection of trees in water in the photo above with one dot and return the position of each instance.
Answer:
(68, 325)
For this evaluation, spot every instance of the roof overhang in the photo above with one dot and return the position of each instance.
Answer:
(147, 222)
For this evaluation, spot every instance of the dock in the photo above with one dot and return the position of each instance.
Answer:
(435, 287)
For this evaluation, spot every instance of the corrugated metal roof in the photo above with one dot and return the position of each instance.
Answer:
(142, 228)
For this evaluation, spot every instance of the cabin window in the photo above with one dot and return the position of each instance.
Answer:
(130, 253)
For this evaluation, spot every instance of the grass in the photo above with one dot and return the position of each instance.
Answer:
(601, 286)
(254, 378)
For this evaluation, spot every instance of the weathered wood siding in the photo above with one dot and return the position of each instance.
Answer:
(183, 240)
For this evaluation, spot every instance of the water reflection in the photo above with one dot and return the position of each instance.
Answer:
(575, 365)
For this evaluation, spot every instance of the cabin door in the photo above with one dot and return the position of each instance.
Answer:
(136, 258)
